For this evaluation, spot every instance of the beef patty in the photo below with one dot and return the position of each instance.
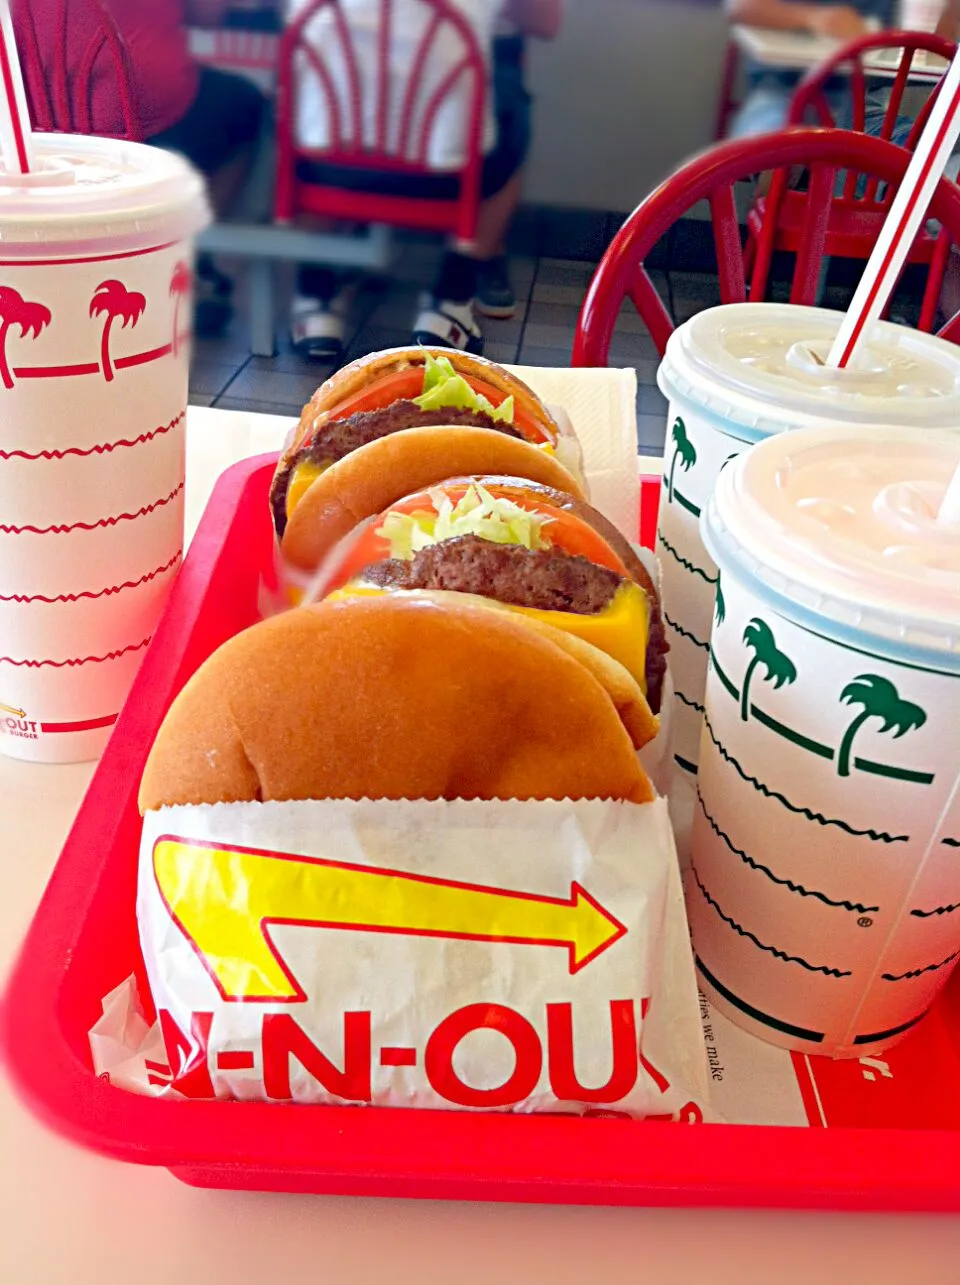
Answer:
(341, 436)
(542, 579)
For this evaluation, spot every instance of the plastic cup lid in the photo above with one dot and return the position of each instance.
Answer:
(841, 527)
(99, 191)
(760, 366)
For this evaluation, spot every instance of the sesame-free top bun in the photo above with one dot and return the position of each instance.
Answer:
(357, 375)
(370, 479)
(391, 698)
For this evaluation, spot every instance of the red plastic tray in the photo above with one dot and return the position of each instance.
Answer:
(83, 942)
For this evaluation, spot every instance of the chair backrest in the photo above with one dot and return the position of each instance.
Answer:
(60, 76)
(712, 177)
(811, 102)
(383, 92)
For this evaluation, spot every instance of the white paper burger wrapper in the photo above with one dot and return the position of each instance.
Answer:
(468, 955)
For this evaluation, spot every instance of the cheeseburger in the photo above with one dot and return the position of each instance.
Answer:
(404, 388)
(544, 554)
(399, 697)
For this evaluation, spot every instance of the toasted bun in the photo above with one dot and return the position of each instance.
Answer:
(370, 479)
(352, 378)
(616, 680)
(391, 698)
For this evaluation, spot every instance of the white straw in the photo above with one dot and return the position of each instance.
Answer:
(907, 213)
(16, 139)
(949, 514)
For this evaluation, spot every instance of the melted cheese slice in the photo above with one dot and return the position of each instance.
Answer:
(621, 629)
(306, 473)
(301, 479)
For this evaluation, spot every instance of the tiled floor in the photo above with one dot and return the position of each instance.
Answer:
(549, 292)
(554, 260)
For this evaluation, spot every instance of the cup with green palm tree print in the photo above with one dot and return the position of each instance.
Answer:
(95, 319)
(824, 879)
(733, 376)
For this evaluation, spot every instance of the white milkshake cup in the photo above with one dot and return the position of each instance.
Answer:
(824, 884)
(95, 311)
(735, 375)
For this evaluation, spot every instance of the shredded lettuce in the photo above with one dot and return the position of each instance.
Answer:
(479, 513)
(443, 387)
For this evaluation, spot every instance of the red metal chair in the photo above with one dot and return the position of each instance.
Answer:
(59, 80)
(712, 177)
(400, 153)
(776, 220)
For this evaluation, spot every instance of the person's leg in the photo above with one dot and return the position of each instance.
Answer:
(448, 320)
(318, 312)
(503, 179)
(218, 134)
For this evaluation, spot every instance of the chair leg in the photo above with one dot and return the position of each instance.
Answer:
(263, 317)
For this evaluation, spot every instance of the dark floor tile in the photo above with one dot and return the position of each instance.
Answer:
(564, 272)
(289, 410)
(372, 338)
(542, 335)
(293, 363)
(650, 401)
(200, 399)
(702, 288)
(568, 296)
(210, 378)
(651, 434)
(627, 349)
(531, 355)
(265, 384)
(501, 350)
(553, 314)
(575, 234)
(526, 231)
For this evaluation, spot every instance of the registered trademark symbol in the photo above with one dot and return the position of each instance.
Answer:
(865, 921)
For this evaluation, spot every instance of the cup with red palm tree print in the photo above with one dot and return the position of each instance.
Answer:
(95, 282)
(824, 880)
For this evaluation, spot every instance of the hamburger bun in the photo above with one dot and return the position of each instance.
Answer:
(352, 378)
(392, 698)
(370, 479)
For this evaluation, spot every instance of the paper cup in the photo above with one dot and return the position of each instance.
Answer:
(95, 273)
(824, 887)
(733, 376)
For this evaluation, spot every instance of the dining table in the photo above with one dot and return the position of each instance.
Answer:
(71, 1217)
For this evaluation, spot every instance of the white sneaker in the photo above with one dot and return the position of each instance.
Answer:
(449, 325)
(317, 326)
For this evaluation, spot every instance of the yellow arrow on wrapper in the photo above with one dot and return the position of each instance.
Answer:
(9, 709)
(226, 899)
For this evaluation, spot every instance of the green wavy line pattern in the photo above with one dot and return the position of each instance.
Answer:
(881, 836)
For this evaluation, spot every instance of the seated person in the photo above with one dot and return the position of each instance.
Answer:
(770, 89)
(448, 318)
(207, 115)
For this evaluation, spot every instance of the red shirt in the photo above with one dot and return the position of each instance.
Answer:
(165, 77)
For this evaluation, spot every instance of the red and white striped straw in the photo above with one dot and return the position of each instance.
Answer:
(16, 142)
(907, 213)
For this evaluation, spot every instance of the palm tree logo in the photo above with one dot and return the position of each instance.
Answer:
(879, 699)
(113, 299)
(780, 668)
(17, 311)
(180, 284)
(720, 606)
(683, 450)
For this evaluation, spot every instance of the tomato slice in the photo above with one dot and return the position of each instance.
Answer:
(405, 385)
(567, 531)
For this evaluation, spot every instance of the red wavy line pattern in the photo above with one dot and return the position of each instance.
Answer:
(75, 661)
(92, 526)
(101, 593)
(102, 449)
